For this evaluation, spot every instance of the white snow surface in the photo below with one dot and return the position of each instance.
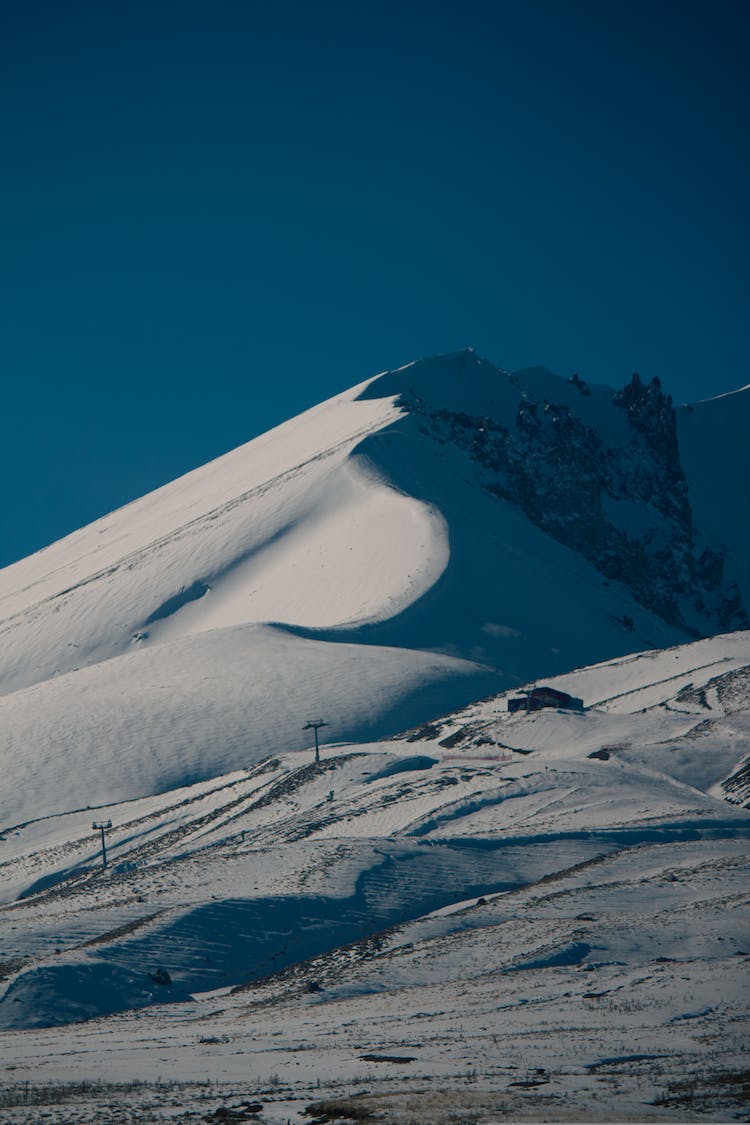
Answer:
(198, 706)
(545, 934)
(145, 651)
(286, 528)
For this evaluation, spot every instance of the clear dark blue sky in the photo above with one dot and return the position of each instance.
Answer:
(216, 214)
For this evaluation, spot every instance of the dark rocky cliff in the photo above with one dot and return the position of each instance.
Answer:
(622, 503)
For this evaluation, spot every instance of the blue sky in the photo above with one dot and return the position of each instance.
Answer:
(217, 214)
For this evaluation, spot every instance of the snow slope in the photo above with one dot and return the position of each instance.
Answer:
(217, 533)
(520, 788)
(192, 708)
(538, 915)
(352, 564)
(480, 894)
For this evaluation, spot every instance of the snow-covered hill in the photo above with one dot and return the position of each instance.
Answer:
(427, 538)
(459, 913)
(546, 913)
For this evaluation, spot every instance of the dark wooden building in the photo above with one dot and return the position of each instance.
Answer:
(540, 697)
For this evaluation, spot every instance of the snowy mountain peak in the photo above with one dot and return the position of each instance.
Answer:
(395, 567)
(599, 470)
(433, 535)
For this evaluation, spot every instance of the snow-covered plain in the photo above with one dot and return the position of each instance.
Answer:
(459, 914)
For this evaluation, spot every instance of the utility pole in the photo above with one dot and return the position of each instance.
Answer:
(316, 724)
(103, 825)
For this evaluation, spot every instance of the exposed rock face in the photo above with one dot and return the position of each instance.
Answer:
(623, 504)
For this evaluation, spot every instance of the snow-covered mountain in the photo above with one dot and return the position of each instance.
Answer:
(534, 914)
(433, 535)
(489, 527)
(602, 473)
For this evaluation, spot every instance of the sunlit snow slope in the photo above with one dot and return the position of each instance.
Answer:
(351, 564)
(245, 875)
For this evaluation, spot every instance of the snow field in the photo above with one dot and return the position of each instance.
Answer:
(539, 932)
(611, 1035)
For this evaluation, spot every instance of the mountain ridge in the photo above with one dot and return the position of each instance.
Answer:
(554, 435)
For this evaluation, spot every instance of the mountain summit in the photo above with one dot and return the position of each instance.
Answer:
(600, 472)
(432, 535)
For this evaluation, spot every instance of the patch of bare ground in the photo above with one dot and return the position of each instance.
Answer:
(722, 1091)
(10, 967)
(95, 1103)
(126, 1103)
(455, 1107)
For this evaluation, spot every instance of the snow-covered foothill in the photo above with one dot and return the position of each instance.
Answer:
(480, 895)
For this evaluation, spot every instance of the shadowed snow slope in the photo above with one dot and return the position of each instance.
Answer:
(376, 560)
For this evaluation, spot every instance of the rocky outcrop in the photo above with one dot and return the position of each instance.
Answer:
(622, 504)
